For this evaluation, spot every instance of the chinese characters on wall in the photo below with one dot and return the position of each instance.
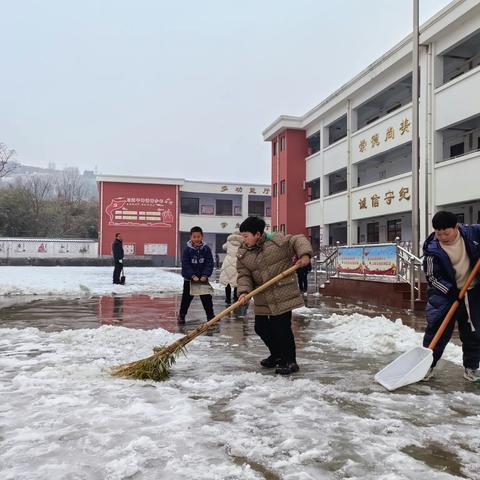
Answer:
(141, 211)
(375, 140)
(249, 190)
(374, 201)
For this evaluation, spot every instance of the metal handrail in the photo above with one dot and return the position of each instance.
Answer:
(409, 254)
(327, 265)
(409, 267)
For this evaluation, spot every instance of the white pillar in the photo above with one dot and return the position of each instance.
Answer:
(415, 132)
(245, 204)
(349, 173)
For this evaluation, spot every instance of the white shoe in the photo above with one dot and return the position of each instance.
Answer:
(471, 375)
(429, 375)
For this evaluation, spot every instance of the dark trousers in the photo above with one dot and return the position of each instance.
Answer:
(228, 294)
(276, 333)
(117, 270)
(470, 337)
(207, 301)
(302, 280)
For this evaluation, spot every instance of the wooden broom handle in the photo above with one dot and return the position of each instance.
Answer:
(454, 306)
(205, 326)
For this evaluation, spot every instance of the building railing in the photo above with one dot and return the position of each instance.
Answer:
(324, 268)
(409, 270)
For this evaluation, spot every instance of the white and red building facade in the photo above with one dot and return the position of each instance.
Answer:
(345, 166)
(155, 215)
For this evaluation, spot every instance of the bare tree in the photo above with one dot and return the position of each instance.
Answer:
(70, 186)
(7, 163)
(41, 189)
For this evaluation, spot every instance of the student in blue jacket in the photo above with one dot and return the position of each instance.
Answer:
(450, 253)
(197, 266)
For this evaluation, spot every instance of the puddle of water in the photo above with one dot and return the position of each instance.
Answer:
(437, 457)
(256, 467)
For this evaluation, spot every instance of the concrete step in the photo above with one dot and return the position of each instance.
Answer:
(373, 291)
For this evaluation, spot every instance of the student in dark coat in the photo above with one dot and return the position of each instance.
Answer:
(117, 251)
(450, 253)
(197, 266)
(302, 274)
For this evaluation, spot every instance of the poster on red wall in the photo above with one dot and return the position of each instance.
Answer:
(155, 212)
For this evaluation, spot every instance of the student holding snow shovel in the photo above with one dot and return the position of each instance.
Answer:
(449, 256)
(197, 266)
(261, 257)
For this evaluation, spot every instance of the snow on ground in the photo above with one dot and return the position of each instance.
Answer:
(64, 416)
(67, 281)
(377, 336)
(306, 311)
(219, 417)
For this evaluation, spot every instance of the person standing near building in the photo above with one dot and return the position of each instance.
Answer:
(228, 274)
(302, 275)
(261, 257)
(117, 251)
(197, 266)
(450, 253)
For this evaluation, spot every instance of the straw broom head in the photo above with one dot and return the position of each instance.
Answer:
(155, 367)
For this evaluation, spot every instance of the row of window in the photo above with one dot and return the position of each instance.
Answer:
(283, 145)
(394, 231)
(223, 207)
(282, 188)
(457, 61)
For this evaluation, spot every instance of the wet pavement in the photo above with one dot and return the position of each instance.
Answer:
(147, 312)
(343, 425)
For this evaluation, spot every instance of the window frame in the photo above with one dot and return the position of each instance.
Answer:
(376, 233)
(397, 231)
(182, 210)
(217, 209)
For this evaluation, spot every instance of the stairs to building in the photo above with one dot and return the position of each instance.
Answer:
(391, 294)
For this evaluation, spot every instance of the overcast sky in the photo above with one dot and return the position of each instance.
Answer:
(178, 88)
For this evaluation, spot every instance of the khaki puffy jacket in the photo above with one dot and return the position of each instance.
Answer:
(272, 255)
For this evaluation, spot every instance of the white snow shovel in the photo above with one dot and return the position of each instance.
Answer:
(412, 366)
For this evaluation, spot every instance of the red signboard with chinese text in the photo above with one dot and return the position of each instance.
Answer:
(142, 213)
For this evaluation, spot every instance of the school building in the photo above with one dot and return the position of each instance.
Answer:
(346, 165)
(155, 215)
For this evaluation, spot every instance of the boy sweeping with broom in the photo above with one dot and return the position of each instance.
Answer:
(260, 258)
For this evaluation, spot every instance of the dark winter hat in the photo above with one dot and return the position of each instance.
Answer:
(443, 220)
(253, 225)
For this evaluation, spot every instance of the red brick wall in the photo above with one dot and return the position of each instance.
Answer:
(289, 165)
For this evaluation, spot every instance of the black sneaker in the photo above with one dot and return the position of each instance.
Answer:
(287, 369)
(270, 362)
(181, 319)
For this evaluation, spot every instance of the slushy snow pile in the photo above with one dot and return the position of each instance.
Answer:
(377, 336)
(67, 281)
